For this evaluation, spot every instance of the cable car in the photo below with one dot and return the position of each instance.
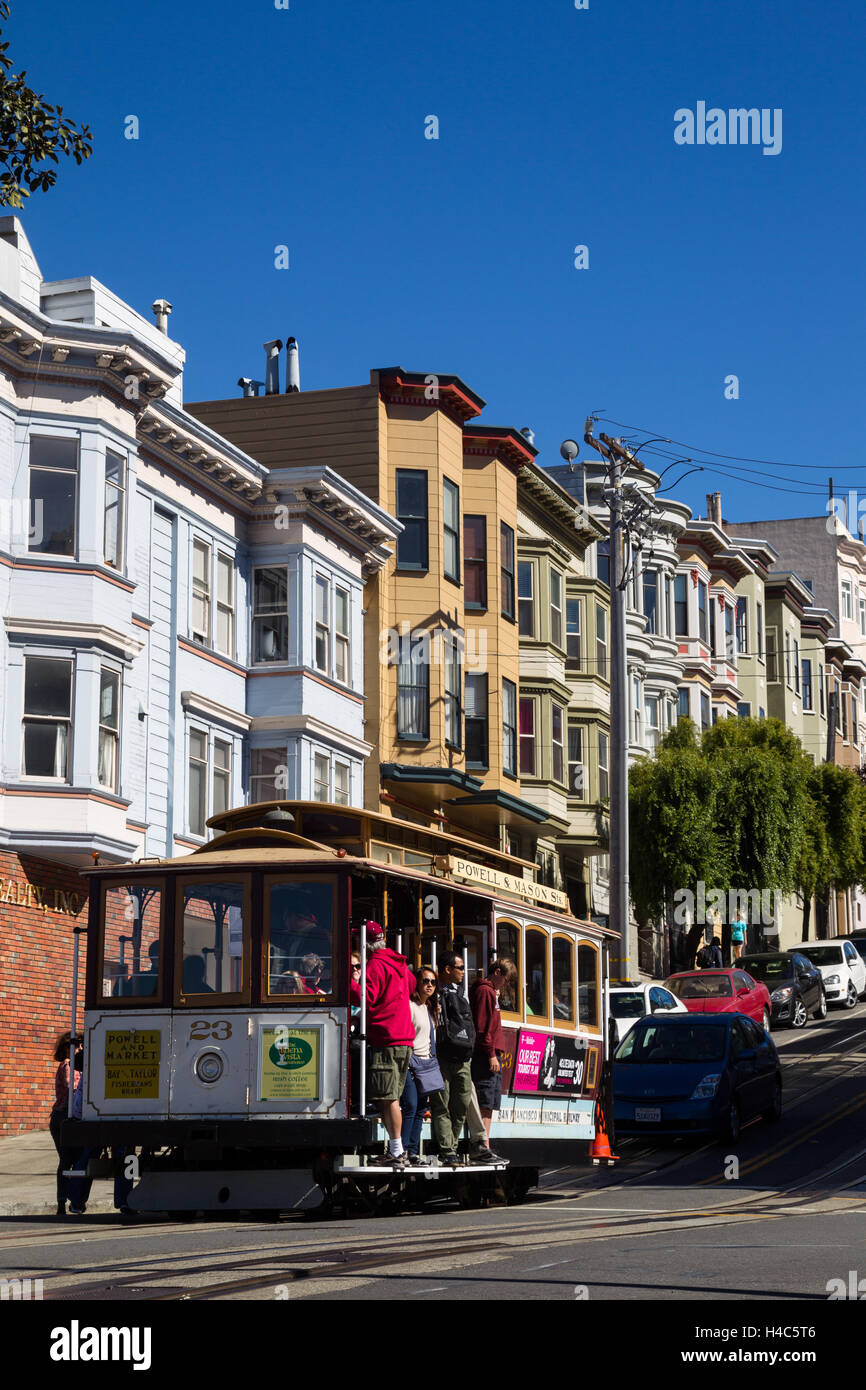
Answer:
(221, 1048)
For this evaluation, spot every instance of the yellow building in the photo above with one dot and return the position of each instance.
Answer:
(441, 635)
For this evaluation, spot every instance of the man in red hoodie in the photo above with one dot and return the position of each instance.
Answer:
(390, 1035)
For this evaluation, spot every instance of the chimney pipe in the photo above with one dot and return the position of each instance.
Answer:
(161, 308)
(272, 366)
(717, 508)
(250, 387)
(711, 516)
(293, 370)
(528, 435)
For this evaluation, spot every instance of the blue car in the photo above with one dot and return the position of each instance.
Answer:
(695, 1074)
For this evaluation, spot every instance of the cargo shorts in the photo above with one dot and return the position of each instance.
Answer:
(388, 1069)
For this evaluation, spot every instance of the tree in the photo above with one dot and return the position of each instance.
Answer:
(31, 132)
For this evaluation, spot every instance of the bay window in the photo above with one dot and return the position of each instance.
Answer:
(53, 495)
(271, 614)
(47, 725)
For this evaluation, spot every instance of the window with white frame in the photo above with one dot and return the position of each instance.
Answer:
(759, 624)
(323, 624)
(321, 777)
(46, 732)
(601, 642)
(527, 736)
(222, 776)
(200, 616)
(603, 766)
(53, 495)
(342, 783)
(526, 598)
(847, 599)
(108, 770)
(742, 625)
(576, 766)
(342, 646)
(271, 614)
(653, 729)
(730, 645)
(558, 727)
(477, 738)
(572, 632)
(509, 727)
(115, 491)
(862, 607)
(209, 778)
(451, 530)
(198, 768)
(225, 591)
(636, 708)
(556, 608)
(268, 772)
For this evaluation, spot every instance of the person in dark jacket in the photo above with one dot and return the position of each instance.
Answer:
(455, 1039)
(390, 1034)
(486, 1066)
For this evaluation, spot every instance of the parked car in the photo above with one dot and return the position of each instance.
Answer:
(843, 970)
(695, 1074)
(722, 992)
(795, 985)
(628, 1003)
(858, 941)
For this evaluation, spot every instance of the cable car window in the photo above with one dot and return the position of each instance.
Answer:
(301, 938)
(213, 939)
(536, 974)
(132, 920)
(587, 992)
(563, 979)
(508, 944)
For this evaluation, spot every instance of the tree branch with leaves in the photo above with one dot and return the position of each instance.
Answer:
(31, 132)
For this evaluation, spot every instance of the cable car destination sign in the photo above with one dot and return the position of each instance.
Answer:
(468, 872)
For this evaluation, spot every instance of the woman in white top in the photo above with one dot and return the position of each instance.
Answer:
(425, 1015)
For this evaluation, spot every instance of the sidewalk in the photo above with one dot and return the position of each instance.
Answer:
(28, 1164)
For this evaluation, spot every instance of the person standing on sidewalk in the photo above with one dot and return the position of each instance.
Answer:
(76, 1190)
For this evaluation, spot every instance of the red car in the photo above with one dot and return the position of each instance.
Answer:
(722, 992)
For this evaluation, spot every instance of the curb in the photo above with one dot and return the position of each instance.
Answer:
(35, 1209)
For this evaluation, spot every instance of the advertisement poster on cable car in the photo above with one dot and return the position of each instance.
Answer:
(548, 1064)
(132, 1064)
(290, 1063)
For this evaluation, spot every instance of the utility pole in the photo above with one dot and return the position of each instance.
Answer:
(618, 459)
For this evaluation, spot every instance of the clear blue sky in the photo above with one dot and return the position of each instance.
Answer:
(305, 127)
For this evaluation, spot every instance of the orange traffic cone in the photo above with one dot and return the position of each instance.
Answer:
(599, 1149)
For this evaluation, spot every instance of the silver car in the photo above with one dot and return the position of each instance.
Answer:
(628, 1003)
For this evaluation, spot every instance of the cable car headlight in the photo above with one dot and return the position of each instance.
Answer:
(209, 1066)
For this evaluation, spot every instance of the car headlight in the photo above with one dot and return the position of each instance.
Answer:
(706, 1089)
(833, 980)
(780, 995)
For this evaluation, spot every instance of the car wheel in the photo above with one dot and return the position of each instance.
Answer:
(851, 996)
(774, 1114)
(821, 1011)
(800, 1015)
(732, 1128)
(766, 1021)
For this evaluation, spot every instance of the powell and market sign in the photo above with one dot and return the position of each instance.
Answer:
(467, 872)
(18, 894)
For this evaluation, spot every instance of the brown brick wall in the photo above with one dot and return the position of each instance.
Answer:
(35, 982)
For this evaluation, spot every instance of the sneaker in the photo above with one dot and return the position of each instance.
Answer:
(387, 1160)
(77, 1211)
(486, 1156)
(416, 1161)
(452, 1160)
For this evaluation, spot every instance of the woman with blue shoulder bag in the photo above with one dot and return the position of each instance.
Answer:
(424, 1076)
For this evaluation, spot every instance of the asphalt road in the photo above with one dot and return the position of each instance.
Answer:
(670, 1223)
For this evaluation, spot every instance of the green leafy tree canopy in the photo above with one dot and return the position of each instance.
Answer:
(31, 132)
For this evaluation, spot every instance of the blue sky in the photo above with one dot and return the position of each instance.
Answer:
(306, 127)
